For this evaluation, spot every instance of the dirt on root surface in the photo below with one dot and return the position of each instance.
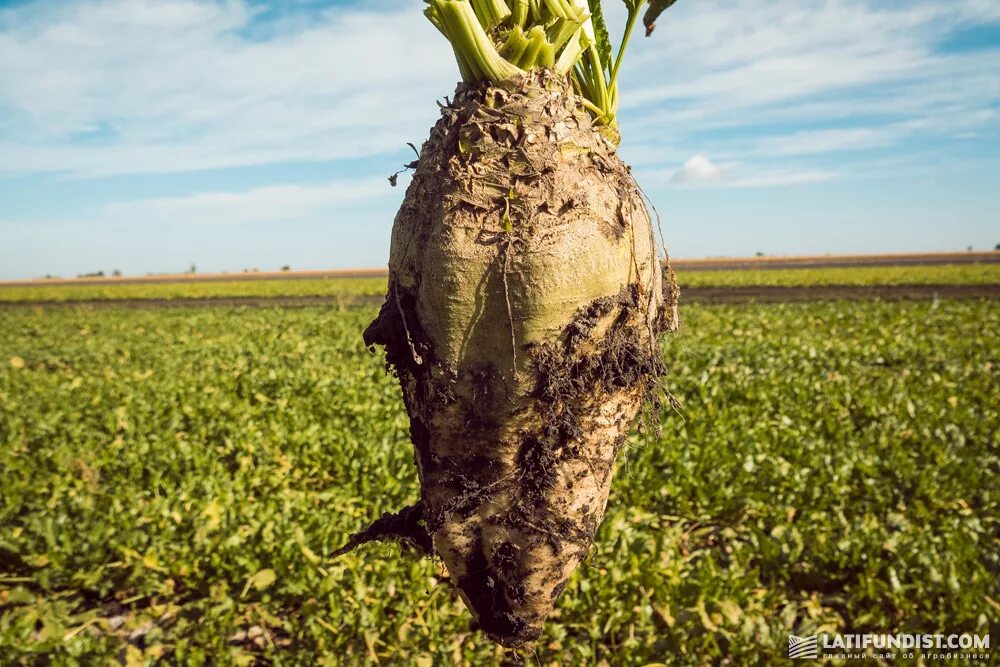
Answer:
(761, 294)
(493, 574)
(523, 337)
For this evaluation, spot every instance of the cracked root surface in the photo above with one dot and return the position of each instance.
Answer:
(525, 297)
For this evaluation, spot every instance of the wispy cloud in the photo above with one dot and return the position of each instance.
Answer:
(158, 86)
(267, 204)
(811, 142)
(151, 86)
(752, 81)
(243, 111)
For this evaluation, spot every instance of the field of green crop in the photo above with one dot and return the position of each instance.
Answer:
(866, 276)
(348, 289)
(173, 480)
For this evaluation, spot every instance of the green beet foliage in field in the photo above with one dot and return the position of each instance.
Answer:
(172, 480)
(348, 290)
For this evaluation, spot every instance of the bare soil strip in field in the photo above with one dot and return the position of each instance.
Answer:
(786, 294)
(760, 294)
(835, 261)
(708, 264)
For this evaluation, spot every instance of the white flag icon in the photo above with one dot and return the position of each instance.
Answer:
(803, 647)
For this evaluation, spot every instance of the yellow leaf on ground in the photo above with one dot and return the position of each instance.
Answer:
(263, 579)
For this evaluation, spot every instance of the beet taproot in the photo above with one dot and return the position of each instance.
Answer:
(526, 296)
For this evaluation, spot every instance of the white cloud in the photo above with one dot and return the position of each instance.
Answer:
(147, 86)
(158, 86)
(749, 80)
(699, 171)
(266, 204)
(755, 51)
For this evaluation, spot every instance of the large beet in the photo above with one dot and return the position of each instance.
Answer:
(525, 297)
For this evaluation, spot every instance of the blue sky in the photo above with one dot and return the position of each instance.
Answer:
(146, 136)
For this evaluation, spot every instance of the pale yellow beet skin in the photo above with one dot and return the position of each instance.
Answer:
(520, 218)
